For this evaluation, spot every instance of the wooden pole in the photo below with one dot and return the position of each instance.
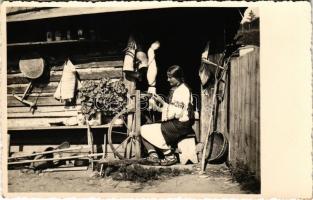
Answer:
(66, 169)
(47, 152)
(137, 142)
(131, 87)
(209, 126)
(206, 61)
(9, 143)
(52, 159)
(89, 136)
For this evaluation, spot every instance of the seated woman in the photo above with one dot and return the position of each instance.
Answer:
(177, 120)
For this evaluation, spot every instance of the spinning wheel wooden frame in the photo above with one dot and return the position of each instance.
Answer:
(129, 129)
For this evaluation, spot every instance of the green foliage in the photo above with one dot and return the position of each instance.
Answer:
(106, 96)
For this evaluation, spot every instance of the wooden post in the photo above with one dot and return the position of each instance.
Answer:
(89, 138)
(137, 125)
(9, 143)
(90, 143)
(104, 151)
(130, 85)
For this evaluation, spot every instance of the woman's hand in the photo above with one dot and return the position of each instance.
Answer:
(153, 105)
(158, 98)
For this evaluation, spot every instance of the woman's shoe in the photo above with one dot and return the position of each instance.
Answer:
(152, 159)
(169, 160)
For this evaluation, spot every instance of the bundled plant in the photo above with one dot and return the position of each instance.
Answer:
(105, 96)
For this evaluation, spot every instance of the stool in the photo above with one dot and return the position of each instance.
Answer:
(187, 150)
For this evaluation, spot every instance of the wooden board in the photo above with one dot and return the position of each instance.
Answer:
(84, 74)
(46, 89)
(13, 65)
(20, 88)
(33, 122)
(15, 127)
(43, 114)
(43, 109)
(244, 116)
(41, 101)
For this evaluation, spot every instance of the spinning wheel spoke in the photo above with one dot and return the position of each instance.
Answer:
(123, 143)
(129, 130)
(122, 133)
(119, 132)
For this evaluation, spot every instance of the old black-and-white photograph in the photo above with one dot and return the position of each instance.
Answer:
(133, 100)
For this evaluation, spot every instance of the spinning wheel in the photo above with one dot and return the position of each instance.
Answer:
(125, 128)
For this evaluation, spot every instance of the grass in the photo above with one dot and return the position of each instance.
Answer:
(137, 173)
(247, 179)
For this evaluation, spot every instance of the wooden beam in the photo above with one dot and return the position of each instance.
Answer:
(46, 152)
(48, 127)
(41, 101)
(84, 74)
(82, 63)
(68, 11)
(20, 88)
(43, 109)
(42, 114)
(62, 169)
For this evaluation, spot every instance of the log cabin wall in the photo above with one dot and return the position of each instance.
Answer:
(238, 115)
(93, 59)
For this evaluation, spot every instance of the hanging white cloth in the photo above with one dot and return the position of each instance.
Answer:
(152, 66)
(67, 85)
(204, 71)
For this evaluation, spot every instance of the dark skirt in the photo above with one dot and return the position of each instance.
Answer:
(173, 130)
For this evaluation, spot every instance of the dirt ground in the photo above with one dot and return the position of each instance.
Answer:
(216, 180)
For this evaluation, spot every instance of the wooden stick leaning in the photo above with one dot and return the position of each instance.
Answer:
(209, 131)
(224, 69)
(65, 169)
(52, 159)
(47, 152)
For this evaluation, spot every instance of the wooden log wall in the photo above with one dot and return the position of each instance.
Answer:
(50, 109)
(104, 62)
(239, 112)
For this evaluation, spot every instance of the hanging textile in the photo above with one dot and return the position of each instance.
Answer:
(68, 83)
(128, 64)
(204, 71)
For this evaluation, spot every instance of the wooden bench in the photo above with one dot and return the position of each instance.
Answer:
(187, 149)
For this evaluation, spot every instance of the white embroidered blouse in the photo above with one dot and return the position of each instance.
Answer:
(178, 107)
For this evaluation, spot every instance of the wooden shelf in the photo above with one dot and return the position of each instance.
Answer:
(57, 127)
(53, 42)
